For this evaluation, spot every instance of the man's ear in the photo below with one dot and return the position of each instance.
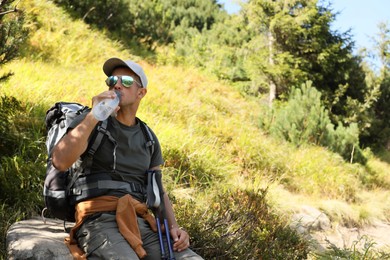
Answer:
(142, 92)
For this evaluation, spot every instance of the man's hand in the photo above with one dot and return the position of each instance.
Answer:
(181, 240)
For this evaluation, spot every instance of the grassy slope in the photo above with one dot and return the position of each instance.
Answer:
(208, 131)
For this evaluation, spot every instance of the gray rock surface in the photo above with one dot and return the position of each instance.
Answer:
(317, 228)
(34, 239)
(310, 219)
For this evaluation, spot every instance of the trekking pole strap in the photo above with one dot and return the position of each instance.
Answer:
(153, 192)
(155, 201)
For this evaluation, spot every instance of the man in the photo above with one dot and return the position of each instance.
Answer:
(102, 231)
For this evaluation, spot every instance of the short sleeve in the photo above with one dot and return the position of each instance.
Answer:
(157, 158)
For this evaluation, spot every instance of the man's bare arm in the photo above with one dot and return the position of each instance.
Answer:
(73, 144)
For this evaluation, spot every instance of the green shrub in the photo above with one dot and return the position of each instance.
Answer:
(304, 120)
(345, 141)
(22, 160)
(367, 251)
(229, 230)
(109, 14)
(13, 33)
(9, 134)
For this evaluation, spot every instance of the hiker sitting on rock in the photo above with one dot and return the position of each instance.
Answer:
(112, 218)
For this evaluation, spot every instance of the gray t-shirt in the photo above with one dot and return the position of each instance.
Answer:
(133, 157)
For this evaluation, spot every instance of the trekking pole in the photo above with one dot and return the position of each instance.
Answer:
(169, 242)
(160, 237)
(164, 215)
(155, 201)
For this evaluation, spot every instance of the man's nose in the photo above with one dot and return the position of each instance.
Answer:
(118, 84)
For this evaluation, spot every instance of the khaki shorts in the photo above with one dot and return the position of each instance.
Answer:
(100, 239)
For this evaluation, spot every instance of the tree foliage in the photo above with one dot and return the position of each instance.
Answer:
(12, 33)
(148, 23)
(305, 120)
(294, 44)
(379, 130)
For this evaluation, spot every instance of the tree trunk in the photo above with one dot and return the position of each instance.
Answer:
(272, 85)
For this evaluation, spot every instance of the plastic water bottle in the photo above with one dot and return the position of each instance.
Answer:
(106, 107)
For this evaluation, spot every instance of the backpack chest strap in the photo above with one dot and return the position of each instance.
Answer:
(86, 188)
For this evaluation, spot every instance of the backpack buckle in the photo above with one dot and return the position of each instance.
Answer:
(102, 129)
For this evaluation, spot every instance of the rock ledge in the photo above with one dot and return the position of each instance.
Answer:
(34, 239)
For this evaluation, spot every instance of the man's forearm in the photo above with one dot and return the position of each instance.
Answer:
(169, 212)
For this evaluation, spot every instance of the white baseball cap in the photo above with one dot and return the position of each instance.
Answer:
(112, 63)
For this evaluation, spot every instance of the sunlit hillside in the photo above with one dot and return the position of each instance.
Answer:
(209, 133)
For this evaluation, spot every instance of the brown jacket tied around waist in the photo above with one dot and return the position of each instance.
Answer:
(127, 209)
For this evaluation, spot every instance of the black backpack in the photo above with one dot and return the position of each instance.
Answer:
(62, 189)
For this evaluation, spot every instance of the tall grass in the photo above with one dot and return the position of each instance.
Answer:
(22, 158)
(362, 249)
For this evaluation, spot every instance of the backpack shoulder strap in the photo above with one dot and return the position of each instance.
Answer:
(95, 143)
(101, 132)
(148, 135)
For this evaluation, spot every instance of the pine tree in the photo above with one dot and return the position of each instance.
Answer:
(379, 130)
(293, 44)
(305, 120)
(12, 33)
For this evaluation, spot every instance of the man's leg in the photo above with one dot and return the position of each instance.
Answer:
(100, 239)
